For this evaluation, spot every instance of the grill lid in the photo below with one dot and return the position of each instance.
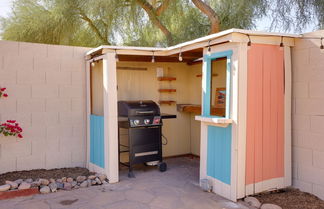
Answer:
(137, 108)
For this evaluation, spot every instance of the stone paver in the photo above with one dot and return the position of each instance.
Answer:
(176, 188)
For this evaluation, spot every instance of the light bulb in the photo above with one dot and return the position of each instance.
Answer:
(93, 64)
(249, 45)
(209, 51)
(180, 57)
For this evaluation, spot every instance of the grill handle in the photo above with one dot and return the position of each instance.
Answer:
(145, 112)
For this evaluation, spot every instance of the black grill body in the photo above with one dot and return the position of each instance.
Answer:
(143, 122)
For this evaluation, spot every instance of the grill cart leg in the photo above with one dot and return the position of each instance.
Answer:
(130, 173)
(162, 166)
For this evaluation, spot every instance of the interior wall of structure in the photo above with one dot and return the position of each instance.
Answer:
(96, 89)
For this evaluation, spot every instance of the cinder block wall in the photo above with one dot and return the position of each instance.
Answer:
(308, 115)
(47, 96)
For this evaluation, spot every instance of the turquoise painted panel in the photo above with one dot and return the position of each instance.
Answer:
(206, 94)
(97, 154)
(219, 153)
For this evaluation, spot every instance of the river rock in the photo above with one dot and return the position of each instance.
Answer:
(93, 182)
(44, 182)
(102, 177)
(89, 182)
(36, 183)
(59, 185)
(91, 177)
(270, 206)
(24, 185)
(80, 179)
(67, 186)
(51, 180)
(98, 181)
(29, 181)
(76, 187)
(45, 190)
(59, 180)
(64, 179)
(252, 201)
(104, 182)
(53, 187)
(74, 183)
(13, 185)
(19, 181)
(84, 184)
(69, 180)
(4, 187)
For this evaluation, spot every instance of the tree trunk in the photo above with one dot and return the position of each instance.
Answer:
(211, 14)
(153, 15)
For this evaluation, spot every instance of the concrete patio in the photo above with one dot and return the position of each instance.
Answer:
(176, 188)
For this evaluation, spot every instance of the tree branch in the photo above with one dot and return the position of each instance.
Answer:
(211, 14)
(162, 7)
(155, 20)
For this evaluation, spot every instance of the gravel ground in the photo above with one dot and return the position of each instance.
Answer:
(291, 198)
(46, 174)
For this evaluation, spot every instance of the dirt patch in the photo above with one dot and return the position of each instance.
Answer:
(291, 198)
(46, 174)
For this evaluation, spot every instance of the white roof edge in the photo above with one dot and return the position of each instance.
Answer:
(205, 38)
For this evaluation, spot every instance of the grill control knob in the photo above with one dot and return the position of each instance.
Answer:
(147, 121)
(136, 122)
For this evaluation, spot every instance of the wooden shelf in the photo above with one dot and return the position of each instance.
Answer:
(200, 75)
(167, 78)
(167, 90)
(167, 102)
(196, 109)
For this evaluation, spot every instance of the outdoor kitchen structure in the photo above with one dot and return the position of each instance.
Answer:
(230, 93)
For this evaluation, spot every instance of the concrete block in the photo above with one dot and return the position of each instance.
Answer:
(294, 171)
(79, 157)
(45, 91)
(315, 56)
(79, 131)
(58, 105)
(78, 78)
(72, 92)
(9, 48)
(35, 132)
(30, 77)
(32, 49)
(46, 64)
(45, 145)
(18, 63)
(316, 89)
(8, 105)
(35, 161)
(311, 174)
(8, 164)
(79, 105)
(58, 159)
(318, 158)
(60, 51)
(80, 52)
(309, 106)
(30, 105)
(20, 148)
(302, 56)
(318, 191)
(302, 156)
(301, 75)
(24, 119)
(18, 91)
(8, 77)
(300, 90)
(44, 118)
(59, 131)
(303, 186)
(317, 124)
(72, 118)
(300, 122)
(73, 64)
(58, 77)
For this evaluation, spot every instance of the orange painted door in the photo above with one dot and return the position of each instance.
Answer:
(265, 114)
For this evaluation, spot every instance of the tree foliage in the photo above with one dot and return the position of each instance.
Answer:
(146, 22)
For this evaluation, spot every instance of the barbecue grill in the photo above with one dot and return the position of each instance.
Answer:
(143, 121)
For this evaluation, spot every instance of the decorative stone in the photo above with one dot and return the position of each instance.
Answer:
(29, 181)
(252, 201)
(52, 180)
(80, 179)
(74, 183)
(98, 181)
(69, 180)
(76, 187)
(89, 182)
(19, 181)
(4, 187)
(36, 183)
(84, 184)
(45, 190)
(24, 185)
(59, 185)
(91, 177)
(93, 182)
(104, 182)
(44, 182)
(102, 177)
(67, 186)
(64, 179)
(270, 206)
(53, 187)
(59, 180)
(13, 185)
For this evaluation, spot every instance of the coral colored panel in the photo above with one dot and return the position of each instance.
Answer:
(265, 113)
